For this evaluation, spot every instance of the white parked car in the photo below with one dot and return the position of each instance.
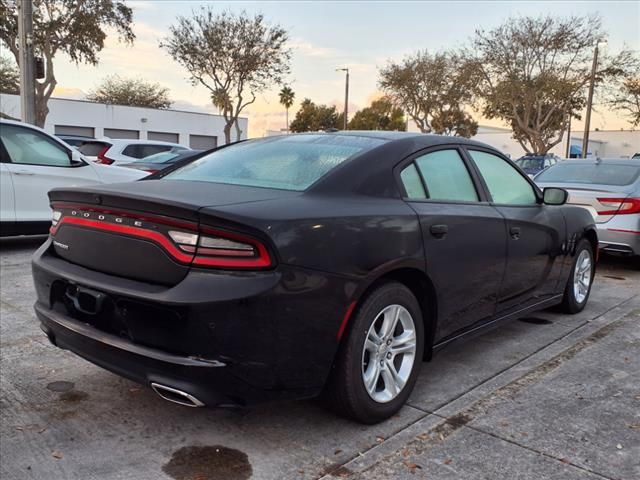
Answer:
(114, 151)
(32, 162)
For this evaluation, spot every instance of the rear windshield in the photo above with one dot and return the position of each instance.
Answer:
(92, 149)
(531, 163)
(163, 157)
(288, 162)
(602, 173)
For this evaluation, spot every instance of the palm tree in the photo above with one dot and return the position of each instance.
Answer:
(286, 99)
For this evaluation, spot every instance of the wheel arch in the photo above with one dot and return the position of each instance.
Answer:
(423, 289)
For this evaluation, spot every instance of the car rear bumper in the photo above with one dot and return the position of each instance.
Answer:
(621, 234)
(225, 338)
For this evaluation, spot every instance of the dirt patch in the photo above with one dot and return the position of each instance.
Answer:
(60, 386)
(208, 463)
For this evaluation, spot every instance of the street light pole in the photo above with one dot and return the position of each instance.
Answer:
(568, 154)
(587, 120)
(26, 64)
(346, 95)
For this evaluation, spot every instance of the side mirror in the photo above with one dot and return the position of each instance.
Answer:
(555, 196)
(76, 158)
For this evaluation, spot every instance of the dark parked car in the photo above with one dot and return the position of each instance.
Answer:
(534, 164)
(160, 161)
(74, 140)
(288, 266)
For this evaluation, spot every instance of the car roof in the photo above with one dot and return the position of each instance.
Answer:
(610, 161)
(127, 141)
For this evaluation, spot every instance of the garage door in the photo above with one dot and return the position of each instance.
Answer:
(163, 136)
(73, 130)
(202, 142)
(119, 133)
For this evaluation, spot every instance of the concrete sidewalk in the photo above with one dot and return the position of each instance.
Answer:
(549, 396)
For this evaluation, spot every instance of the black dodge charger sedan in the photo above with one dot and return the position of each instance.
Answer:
(291, 266)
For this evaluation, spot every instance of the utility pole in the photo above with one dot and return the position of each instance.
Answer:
(346, 96)
(587, 121)
(568, 154)
(27, 64)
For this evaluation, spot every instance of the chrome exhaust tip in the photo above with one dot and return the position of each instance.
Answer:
(176, 396)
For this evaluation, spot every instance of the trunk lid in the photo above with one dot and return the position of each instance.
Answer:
(593, 198)
(124, 229)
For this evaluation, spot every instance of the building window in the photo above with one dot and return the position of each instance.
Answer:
(74, 130)
(120, 133)
(163, 137)
(203, 142)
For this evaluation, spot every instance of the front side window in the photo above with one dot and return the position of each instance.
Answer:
(505, 184)
(286, 162)
(27, 146)
(446, 176)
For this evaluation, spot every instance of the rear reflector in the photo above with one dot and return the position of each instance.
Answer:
(619, 206)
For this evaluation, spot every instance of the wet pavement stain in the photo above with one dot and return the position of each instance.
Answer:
(74, 396)
(208, 463)
(60, 386)
(536, 321)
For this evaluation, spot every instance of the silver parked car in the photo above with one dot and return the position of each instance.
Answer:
(610, 190)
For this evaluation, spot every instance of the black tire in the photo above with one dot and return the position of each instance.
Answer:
(345, 390)
(569, 302)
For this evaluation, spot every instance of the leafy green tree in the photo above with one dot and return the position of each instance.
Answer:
(381, 115)
(313, 118)
(533, 73)
(9, 77)
(234, 56)
(76, 28)
(286, 100)
(133, 92)
(434, 89)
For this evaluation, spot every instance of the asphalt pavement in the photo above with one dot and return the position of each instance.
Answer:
(550, 396)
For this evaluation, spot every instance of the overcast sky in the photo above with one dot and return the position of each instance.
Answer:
(324, 35)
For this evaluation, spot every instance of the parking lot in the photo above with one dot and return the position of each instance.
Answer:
(550, 396)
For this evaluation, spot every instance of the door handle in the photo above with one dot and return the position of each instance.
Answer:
(439, 231)
(514, 232)
(23, 172)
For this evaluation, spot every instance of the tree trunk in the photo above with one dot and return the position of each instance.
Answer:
(287, 117)
(238, 131)
(227, 132)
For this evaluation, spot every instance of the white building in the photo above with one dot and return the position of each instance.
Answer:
(602, 143)
(81, 117)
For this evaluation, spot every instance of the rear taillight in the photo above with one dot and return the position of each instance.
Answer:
(619, 206)
(102, 158)
(183, 241)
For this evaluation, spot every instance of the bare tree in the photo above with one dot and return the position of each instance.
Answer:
(234, 56)
(434, 89)
(73, 27)
(133, 92)
(625, 97)
(533, 73)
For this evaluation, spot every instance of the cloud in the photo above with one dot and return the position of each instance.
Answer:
(305, 48)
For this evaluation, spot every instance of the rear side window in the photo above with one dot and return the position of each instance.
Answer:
(412, 182)
(504, 182)
(446, 177)
(602, 173)
(92, 149)
(288, 162)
